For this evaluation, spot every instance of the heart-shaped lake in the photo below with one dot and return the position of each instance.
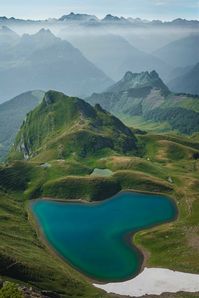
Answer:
(95, 237)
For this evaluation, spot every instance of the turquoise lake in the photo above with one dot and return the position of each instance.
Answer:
(95, 237)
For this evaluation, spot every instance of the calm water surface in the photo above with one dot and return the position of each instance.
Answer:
(94, 237)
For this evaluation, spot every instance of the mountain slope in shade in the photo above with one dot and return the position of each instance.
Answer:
(7, 36)
(62, 127)
(12, 114)
(115, 55)
(8, 39)
(181, 52)
(146, 96)
(132, 93)
(43, 61)
(187, 83)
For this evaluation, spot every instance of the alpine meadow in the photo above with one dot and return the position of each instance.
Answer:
(99, 149)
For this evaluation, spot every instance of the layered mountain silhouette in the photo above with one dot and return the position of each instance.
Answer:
(130, 95)
(109, 18)
(188, 82)
(115, 55)
(62, 126)
(43, 61)
(145, 95)
(182, 52)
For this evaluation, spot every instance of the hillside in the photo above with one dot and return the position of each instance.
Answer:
(187, 83)
(7, 36)
(12, 114)
(114, 54)
(25, 260)
(66, 140)
(182, 52)
(42, 61)
(167, 162)
(144, 101)
(62, 127)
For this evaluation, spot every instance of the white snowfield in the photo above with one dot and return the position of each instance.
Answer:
(154, 281)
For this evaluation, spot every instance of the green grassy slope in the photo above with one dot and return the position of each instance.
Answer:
(24, 258)
(167, 166)
(175, 245)
(12, 114)
(144, 101)
(63, 127)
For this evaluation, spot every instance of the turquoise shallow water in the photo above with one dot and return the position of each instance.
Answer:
(94, 238)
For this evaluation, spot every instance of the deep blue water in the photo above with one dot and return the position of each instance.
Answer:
(94, 238)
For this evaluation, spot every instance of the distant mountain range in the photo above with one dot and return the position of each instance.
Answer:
(43, 61)
(187, 82)
(63, 126)
(137, 95)
(78, 17)
(145, 95)
(108, 19)
(95, 52)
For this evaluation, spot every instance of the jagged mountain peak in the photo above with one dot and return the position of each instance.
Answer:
(42, 35)
(42, 39)
(109, 17)
(43, 31)
(142, 75)
(77, 17)
(139, 80)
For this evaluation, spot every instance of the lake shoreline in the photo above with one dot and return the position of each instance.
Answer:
(143, 254)
(169, 196)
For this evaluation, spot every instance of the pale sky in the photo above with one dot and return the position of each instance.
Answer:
(149, 9)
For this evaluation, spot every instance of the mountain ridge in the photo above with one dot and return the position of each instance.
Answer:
(64, 127)
(177, 21)
(139, 80)
(100, 49)
(56, 62)
(145, 95)
(181, 52)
